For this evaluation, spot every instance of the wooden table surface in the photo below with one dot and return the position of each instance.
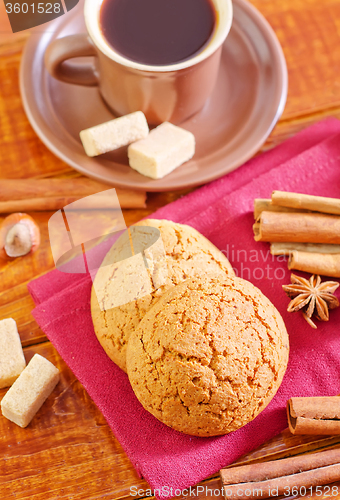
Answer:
(68, 451)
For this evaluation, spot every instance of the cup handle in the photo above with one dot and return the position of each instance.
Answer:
(61, 49)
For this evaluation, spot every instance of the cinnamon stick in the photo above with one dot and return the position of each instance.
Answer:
(26, 195)
(299, 201)
(275, 478)
(287, 248)
(297, 227)
(21, 189)
(316, 416)
(265, 205)
(315, 263)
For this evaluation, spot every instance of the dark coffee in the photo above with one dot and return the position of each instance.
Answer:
(157, 32)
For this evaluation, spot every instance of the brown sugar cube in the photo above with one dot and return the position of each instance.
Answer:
(12, 360)
(29, 391)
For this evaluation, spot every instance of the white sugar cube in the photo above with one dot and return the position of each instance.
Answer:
(114, 134)
(12, 360)
(165, 149)
(29, 391)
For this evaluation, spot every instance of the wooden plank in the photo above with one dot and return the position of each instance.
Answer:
(309, 34)
(20, 311)
(67, 451)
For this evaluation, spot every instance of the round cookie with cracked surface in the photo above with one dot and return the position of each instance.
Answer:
(184, 253)
(209, 356)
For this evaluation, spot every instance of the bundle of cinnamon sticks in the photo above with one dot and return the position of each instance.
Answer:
(314, 415)
(300, 475)
(290, 477)
(32, 195)
(304, 227)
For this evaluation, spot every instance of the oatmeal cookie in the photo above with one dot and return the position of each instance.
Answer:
(186, 253)
(209, 356)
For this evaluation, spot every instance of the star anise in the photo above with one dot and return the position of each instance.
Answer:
(311, 297)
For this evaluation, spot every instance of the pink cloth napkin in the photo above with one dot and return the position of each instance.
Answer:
(222, 211)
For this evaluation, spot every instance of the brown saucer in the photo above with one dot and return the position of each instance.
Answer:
(248, 99)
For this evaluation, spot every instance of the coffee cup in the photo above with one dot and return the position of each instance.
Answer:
(171, 92)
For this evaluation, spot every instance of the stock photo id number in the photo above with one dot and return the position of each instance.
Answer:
(24, 15)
